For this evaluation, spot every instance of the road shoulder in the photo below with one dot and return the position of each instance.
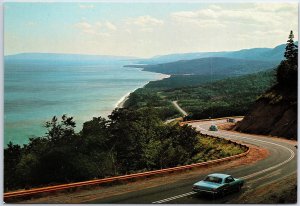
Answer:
(283, 191)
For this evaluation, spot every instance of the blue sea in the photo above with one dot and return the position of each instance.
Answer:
(36, 91)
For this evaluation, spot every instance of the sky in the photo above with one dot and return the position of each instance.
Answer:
(145, 29)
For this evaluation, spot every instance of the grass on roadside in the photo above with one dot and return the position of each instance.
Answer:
(212, 148)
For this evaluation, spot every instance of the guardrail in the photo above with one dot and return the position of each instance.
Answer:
(204, 120)
(36, 191)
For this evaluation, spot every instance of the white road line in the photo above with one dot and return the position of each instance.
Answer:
(270, 168)
(175, 197)
(245, 177)
(272, 174)
(273, 167)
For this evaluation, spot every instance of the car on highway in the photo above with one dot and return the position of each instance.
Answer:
(218, 185)
(213, 128)
(231, 120)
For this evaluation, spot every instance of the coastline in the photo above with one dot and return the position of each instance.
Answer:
(123, 99)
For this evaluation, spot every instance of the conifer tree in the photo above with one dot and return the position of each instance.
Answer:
(291, 51)
(287, 71)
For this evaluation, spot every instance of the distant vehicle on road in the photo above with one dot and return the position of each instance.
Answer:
(213, 128)
(218, 185)
(231, 120)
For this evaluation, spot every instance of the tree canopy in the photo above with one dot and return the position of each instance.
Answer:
(128, 141)
(287, 71)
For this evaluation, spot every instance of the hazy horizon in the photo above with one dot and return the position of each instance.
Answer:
(84, 54)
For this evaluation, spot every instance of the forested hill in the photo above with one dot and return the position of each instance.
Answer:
(212, 66)
(265, 54)
(202, 97)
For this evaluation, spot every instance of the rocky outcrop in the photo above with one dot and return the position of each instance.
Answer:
(274, 113)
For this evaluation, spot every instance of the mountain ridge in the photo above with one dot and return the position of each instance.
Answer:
(210, 66)
(248, 53)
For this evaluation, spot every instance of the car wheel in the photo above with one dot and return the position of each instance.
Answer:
(239, 188)
(222, 193)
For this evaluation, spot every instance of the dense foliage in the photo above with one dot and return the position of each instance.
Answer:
(287, 71)
(229, 97)
(128, 141)
(207, 98)
(143, 98)
(179, 81)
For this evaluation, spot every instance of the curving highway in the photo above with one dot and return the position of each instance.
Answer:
(281, 162)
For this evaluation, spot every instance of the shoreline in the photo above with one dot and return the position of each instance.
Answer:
(123, 99)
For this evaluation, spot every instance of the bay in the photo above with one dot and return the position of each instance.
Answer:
(34, 92)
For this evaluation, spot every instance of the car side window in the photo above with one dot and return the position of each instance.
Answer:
(229, 179)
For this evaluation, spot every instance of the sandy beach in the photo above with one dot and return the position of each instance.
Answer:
(121, 102)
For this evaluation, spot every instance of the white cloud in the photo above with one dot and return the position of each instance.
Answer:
(86, 27)
(215, 7)
(98, 24)
(86, 6)
(110, 26)
(258, 13)
(216, 27)
(279, 7)
(144, 24)
(97, 28)
(145, 21)
(207, 27)
(255, 17)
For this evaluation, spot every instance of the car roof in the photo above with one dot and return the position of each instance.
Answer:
(219, 175)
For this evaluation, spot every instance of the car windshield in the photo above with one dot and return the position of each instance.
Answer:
(213, 179)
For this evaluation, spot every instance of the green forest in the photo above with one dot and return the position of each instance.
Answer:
(202, 96)
(129, 141)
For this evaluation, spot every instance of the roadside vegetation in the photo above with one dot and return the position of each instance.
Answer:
(211, 148)
(129, 141)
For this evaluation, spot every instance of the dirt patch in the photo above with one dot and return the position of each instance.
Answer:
(274, 113)
(279, 192)
(226, 126)
(98, 192)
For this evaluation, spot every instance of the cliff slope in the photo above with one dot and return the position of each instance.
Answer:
(274, 113)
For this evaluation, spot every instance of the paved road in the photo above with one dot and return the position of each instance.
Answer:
(280, 163)
(179, 108)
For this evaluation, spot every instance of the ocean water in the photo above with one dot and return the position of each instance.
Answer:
(34, 92)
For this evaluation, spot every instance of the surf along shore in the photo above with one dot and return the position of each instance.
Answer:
(123, 99)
